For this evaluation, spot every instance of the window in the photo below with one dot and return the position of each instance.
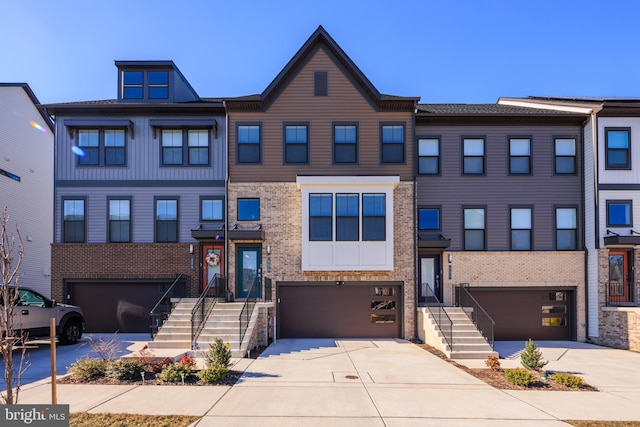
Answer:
(248, 143)
(134, 84)
(565, 153)
(566, 229)
(619, 213)
(211, 209)
(473, 160)
(429, 156)
(373, 217)
(345, 143)
(101, 147)
(296, 146)
(392, 143)
(166, 220)
(158, 84)
(618, 155)
(73, 227)
(429, 219)
(119, 220)
(521, 229)
(248, 209)
(320, 86)
(519, 156)
(474, 229)
(173, 149)
(347, 217)
(320, 216)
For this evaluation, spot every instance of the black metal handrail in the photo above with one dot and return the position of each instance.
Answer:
(160, 312)
(444, 322)
(479, 316)
(216, 288)
(622, 294)
(247, 308)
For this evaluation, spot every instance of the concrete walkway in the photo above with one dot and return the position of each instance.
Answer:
(365, 383)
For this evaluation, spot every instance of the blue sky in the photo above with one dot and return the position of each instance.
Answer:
(450, 51)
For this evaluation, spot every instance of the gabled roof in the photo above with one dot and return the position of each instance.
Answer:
(33, 99)
(321, 37)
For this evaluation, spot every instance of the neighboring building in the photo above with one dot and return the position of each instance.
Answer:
(499, 207)
(612, 236)
(321, 198)
(26, 181)
(137, 180)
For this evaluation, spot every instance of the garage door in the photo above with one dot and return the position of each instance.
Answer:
(352, 310)
(116, 307)
(540, 314)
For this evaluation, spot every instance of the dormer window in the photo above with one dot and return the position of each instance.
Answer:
(145, 85)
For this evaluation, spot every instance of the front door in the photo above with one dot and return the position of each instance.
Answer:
(619, 276)
(213, 256)
(249, 268)
(429, 278)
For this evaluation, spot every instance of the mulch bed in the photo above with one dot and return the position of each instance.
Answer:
(151, 378)
(498, 379)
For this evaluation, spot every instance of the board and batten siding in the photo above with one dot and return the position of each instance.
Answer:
(142, 210)
(143, 159)
(28, 153)
(590, 219)
(498, 190)
(296, 103)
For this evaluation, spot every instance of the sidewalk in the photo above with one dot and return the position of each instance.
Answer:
(369, 382)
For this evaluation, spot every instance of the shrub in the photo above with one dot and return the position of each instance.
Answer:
(218, 354)
(174, 373)
(531, 357)
(520, 376)
(105, 348)
(567, 379)
(159, 366)
(212, 374)
(88, 368)
(125, 369)
(188, 362)
(493, 362)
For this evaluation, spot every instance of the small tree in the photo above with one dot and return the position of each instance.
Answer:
(531, 356)
(9, 298)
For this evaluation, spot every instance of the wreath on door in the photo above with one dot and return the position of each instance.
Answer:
(213, 259)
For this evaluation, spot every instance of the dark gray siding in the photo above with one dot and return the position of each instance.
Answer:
(497, 190)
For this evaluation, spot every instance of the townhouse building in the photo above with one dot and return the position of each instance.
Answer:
(611, 184)
(26, 186)
(139, 196)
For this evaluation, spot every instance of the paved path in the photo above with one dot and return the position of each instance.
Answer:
(354, 383)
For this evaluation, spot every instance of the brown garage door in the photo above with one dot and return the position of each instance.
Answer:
(540, 314)
(116, 307)
(352, 310)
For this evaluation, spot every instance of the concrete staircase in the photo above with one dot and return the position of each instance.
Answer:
(222, 323)
(468, 342)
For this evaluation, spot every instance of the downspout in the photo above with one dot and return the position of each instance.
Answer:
(226, 193)
(596, 224)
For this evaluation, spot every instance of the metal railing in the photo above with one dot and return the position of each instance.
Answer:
(247, 308)
(161, 311)
(216, 288)
(444, 322)
(479, 316)
(622, 293)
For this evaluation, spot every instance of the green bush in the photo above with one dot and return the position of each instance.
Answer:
(88, 368)
(531, 357)
(212, 374)
(567, 379)
(125, 369)
(520, 376)
(173, 373)
(218, 355)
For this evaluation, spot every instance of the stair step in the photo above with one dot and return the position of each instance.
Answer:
(472, 354)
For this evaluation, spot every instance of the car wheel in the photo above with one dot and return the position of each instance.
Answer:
(71, 333)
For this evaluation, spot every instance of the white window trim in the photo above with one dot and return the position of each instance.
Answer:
(347, 255)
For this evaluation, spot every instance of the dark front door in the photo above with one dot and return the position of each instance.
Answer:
(429, 278)
(213, 263)
(249, 268)
(619, 276)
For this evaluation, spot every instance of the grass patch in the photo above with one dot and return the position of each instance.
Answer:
(83, 419)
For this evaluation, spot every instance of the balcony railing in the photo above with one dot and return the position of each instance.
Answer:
(622, 294)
